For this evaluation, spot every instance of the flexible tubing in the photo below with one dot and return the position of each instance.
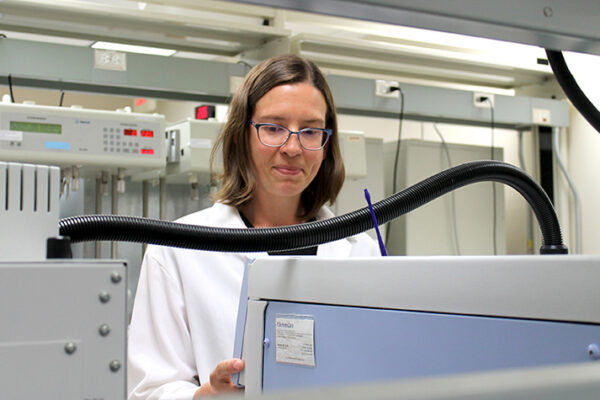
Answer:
(571, 88)
(576, 197)
(141, 230)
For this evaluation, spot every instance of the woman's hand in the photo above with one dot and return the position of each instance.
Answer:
(220, 379)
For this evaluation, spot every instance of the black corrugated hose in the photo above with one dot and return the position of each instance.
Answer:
(143, 230)
(569, 85)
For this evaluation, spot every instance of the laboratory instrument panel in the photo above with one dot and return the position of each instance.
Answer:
(354, 153)
(29, 210)
(189, 144)
(309, 322)
(63, 331)
(91, 139)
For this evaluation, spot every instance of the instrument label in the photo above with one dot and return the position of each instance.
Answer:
(11, 136)
(200, 143)
(294, 338)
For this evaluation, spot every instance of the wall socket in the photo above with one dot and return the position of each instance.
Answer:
(111, 60)
(382, 89)
(478, 100)
(541, 116)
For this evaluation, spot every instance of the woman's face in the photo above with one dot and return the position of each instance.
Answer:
(284, 172)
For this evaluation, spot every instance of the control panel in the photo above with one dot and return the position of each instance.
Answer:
(92, 140)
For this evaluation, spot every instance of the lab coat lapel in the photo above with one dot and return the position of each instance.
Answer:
(339, 248)
(229, 217)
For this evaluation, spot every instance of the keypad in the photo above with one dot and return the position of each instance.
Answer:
(114, 142)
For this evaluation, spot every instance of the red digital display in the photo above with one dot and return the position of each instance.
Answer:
(130, 132)
(205, 112)
(147, 133)
(147, 151)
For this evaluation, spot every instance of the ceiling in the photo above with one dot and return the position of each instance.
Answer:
(234, 32)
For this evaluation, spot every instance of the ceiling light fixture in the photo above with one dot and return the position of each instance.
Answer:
(129, 48)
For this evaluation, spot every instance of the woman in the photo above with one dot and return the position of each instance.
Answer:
(282, 163)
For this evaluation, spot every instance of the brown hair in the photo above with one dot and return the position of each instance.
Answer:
(238, 179)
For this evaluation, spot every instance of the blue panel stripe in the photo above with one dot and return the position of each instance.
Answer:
(58, 145)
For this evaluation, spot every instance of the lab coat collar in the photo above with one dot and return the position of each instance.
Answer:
(230, 217)
(339, 248)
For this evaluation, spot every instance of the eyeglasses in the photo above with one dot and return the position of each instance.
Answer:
(274, 135)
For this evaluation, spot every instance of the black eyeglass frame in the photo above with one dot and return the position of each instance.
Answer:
(329, 132)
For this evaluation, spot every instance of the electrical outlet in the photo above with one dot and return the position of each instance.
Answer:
(382, 89)
(541, 116)
(479, 100)
(111, 60)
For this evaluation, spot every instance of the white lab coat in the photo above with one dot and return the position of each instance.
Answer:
(185, 310)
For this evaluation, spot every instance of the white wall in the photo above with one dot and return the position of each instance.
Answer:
(584, 165)
(580, 147)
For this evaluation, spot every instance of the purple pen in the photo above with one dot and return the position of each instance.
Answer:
(381, 245)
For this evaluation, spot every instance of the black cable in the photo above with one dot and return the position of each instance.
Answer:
(62, 96)
(569, 85)
(453, 197)
(397, 155)
(10, 88)
(245, 64)
(494, 203)
(143, 230)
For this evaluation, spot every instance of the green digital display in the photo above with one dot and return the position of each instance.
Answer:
(36, 127)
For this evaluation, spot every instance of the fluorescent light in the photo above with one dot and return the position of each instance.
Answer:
(205, 56)
(47, 39)
(129, 48)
